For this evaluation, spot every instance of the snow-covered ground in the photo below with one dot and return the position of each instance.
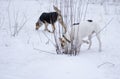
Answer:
(20, 57)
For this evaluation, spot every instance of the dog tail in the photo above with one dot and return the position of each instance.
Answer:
(57, 10)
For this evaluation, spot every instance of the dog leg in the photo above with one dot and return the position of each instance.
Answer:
(53, 27)
(98, 37)
(46, 25)
(89, 38)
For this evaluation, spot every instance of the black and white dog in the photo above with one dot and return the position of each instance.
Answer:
(50, 18)
(77, 34)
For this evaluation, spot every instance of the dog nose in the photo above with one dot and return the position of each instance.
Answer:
(36, 28)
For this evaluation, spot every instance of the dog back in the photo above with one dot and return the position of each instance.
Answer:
(50, 18)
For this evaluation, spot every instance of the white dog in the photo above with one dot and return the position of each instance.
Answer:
(77, 34)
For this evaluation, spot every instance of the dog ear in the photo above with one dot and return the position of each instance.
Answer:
(56, 9)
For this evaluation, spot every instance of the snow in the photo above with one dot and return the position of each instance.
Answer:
(20, 57)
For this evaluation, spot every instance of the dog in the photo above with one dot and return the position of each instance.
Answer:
(77, 34)
(50, 18)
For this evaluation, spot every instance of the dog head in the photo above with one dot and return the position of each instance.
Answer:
(64, 41)
(38, 25)
(65, 44)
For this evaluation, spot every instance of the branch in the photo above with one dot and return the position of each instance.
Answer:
(16, 28)
(44, 51)
(86, 10)
(2, 21)
(23, 24)
(16, 22)
(106, 25)
(49, 39)
(82, 11)
(9, 16)
(57, 45)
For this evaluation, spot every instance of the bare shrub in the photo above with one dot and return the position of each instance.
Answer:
(17, 22)
(73, 11)
(1, 21)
